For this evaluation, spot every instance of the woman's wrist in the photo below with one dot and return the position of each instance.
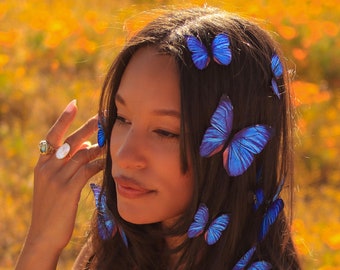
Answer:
(38, 254)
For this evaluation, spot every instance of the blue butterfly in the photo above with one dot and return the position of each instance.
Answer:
(278, 71)
(106, 224)
(215, 229)
(219, 48)
(100, 135)
(272, 213)
(260, 265)
(240, 152)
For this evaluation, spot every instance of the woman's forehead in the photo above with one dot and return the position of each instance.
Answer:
(150, 76)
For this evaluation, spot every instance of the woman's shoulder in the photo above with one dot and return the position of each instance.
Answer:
(84, 257)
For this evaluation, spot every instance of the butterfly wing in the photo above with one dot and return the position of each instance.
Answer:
(216, 228)
(260, 265)
(239, 154)
(242, 263)
(123, 236)
(100, 135)
(220, 49)
(275, 87)
(276, 66)
(219, 131)
(270, 217)
(106, 224)
(200, 55)
(277, 69)
(259, 197)
(200, 221)
(279, 188)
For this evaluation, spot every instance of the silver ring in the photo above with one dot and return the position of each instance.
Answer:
(45, 148)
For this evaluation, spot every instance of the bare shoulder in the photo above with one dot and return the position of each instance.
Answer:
(84, 257)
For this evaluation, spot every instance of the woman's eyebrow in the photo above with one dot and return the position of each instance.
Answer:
(159, 112)
(167, 112)
(119, 99)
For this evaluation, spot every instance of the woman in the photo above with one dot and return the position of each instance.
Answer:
(195, 115)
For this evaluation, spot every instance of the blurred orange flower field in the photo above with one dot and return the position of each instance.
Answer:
(54, 51)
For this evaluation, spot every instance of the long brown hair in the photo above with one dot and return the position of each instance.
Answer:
(247, 83)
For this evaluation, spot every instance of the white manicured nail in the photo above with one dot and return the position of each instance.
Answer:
(71, 106)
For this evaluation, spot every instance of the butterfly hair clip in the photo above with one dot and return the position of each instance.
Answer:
(277, 70)
(244, 261)
(220, 51)
(275, 207)
(241, 149)
(107, 226)
(214, 231)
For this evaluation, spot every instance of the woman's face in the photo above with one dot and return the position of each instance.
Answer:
(145, 141)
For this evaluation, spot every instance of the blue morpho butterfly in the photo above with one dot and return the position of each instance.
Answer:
(273, 211)
(100, 135)
(260, 265)
(215, 229)
(278, 71)
(220, 51)
(239, 153)
(106, 224)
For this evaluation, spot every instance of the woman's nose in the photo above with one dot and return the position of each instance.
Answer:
(129, 152)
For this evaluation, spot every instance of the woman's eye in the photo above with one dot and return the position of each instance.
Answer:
(166, 134)
(122, 120)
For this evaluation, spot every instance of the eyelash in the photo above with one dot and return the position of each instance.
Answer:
(162, 133)
(166, 134)
(122, 121)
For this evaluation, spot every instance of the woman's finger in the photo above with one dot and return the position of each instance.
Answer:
(76, 139)
(77, 161)
(84, 173)
(55, 162)
(56, 133)
(85, 144)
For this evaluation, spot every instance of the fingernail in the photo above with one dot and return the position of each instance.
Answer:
(71, 105)
(63, 151)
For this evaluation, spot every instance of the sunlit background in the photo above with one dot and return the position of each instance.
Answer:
(54, 51)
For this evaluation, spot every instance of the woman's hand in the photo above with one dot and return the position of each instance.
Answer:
(57, 188)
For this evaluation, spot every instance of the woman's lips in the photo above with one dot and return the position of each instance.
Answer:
(130, 188)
